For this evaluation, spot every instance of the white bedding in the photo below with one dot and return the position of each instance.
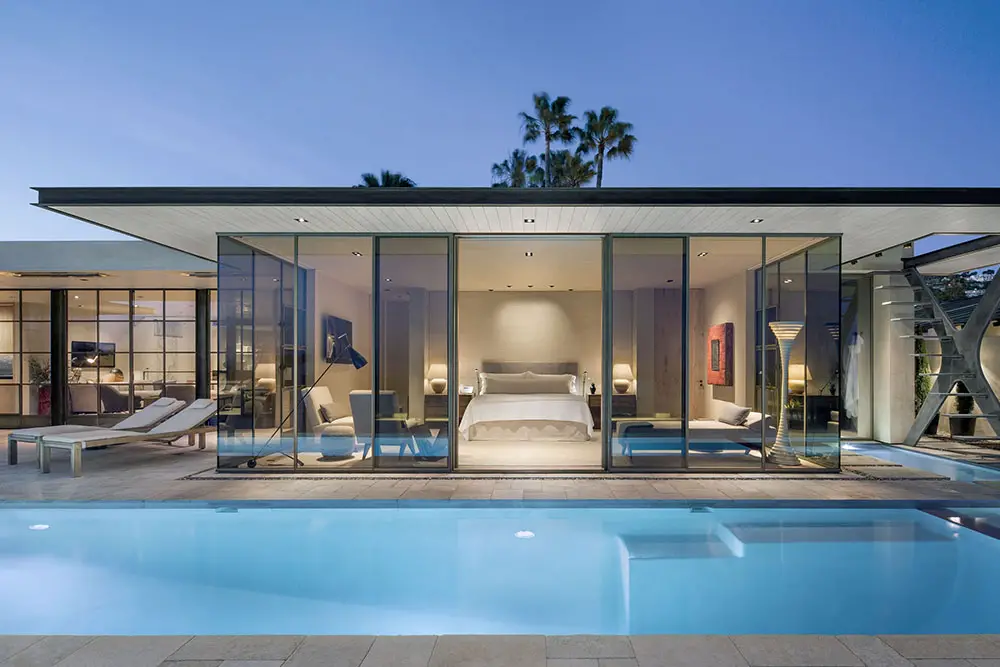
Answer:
(517, 408)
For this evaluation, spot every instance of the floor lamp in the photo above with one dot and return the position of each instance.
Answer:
(782, 452)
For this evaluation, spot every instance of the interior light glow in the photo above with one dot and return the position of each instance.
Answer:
(703, 254)
(787, 280)
(756, 221)
(301, 220)
(524, 534)
(356, 253)
(529, 221)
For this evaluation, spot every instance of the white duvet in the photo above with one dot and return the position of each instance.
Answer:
(527, 407)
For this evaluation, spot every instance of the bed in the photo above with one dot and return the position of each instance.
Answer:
(541, 402)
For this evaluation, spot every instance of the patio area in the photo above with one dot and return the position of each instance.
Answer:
(152, 472)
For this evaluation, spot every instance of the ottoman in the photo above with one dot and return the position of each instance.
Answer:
(336, 440)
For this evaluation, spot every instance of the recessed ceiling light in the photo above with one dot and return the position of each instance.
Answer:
(274, 280)
(570, 289)
(878, 254)
(301, 220)
(529, 254)
(76, 296)
(509, 286)
(787, 280)
(703, 254)
(356, 253)
(388, 280)
(756, 221)
(529, 221)
(491, 289)
(530, 286)
(551, 285)
(670, 280)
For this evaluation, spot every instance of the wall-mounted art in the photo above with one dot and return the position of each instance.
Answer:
(720, 354)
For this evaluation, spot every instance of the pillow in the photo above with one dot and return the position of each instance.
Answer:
(732, 414)
(546, 383)
(486, 378)
(328, 412)
(507, 385)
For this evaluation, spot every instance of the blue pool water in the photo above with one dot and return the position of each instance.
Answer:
(956, 470)
(491, 569)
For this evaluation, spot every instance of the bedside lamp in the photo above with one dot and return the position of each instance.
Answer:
(438, 376)
(798, 376)
(622, 374)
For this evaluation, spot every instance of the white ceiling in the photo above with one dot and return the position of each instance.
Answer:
(111, 280)
(866, 229)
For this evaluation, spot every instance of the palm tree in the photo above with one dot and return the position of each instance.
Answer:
(552, 122)
(387, 179)
(605, 136)
(569, 170)
(516, 171)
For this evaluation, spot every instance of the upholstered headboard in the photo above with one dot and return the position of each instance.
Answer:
(540, 367)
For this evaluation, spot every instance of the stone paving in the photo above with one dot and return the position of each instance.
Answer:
(151, 472)
(504, 651)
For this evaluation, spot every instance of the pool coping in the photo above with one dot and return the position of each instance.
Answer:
(668, 503)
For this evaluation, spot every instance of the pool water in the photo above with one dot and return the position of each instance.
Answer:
(956, 470)
(491, 569)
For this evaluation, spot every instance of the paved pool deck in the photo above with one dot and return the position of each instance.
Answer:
(504, 651)
(152, 472)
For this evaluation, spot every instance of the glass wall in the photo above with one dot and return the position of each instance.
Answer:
(25, 362)
(413, 331)
(343, 352)
(647, 364)
(126, 349)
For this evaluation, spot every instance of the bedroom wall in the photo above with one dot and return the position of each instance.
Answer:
(724, 301)
(527, 327)
(332, 297)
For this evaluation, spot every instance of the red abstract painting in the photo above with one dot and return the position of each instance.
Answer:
(720, 354)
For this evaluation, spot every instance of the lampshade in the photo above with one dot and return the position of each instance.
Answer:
(436, 371)
(798, 375)
(786, 330)
(622, 372)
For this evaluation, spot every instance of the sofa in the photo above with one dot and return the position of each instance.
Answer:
(329, 422)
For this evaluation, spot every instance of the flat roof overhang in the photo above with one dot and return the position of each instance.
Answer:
(870, 219)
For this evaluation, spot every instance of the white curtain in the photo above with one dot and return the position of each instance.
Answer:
(851, 390)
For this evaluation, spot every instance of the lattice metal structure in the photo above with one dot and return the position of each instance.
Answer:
(959, 354)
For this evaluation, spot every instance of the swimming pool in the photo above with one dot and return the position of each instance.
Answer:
(491, 569)
(956, 470)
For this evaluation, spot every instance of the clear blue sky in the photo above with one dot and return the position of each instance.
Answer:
(314, 92)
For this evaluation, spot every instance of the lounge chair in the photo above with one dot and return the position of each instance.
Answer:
(143, 420)
(189, 422)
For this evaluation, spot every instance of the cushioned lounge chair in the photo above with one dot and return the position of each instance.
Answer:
(189, 422)
(143, 420)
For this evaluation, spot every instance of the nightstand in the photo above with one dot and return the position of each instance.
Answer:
(436, 405)
(622, 405)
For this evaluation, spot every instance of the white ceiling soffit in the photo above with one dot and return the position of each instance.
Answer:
(866, 229)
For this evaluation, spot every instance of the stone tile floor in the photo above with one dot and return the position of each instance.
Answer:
(504, 651)
(151, 472)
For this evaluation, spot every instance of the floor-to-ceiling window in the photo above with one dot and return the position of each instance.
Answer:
(25, 362)
(709, 352)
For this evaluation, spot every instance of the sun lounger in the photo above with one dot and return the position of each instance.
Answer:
(189, 422)
(143, 420)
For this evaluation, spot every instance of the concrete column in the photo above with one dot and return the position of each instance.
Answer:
(892, 360)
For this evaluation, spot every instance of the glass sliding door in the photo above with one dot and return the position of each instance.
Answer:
(645, 393)
(725, 422)
(413, 329)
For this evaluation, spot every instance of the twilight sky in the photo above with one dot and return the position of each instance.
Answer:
(307, 92)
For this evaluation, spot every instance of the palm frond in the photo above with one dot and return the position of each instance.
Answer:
(369, 180)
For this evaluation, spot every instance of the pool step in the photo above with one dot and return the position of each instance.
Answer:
(670, 547)
(788, 532)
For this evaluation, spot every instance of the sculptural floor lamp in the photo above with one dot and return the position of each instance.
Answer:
(782, 452)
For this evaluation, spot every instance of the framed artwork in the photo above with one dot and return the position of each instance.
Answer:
(720, 354)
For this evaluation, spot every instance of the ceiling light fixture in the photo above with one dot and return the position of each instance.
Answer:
(529, 221)
(756, 221)
(787, 280)
(552, 286)
(670, 280)
(530, 286)
(356, 253)
(529, 254)
(76, 296)
(703, 254)
(907, 245)
(491, 289)
(509, 286)
(274, 280)
(388, 280)
(301, 220)
(878, 254)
